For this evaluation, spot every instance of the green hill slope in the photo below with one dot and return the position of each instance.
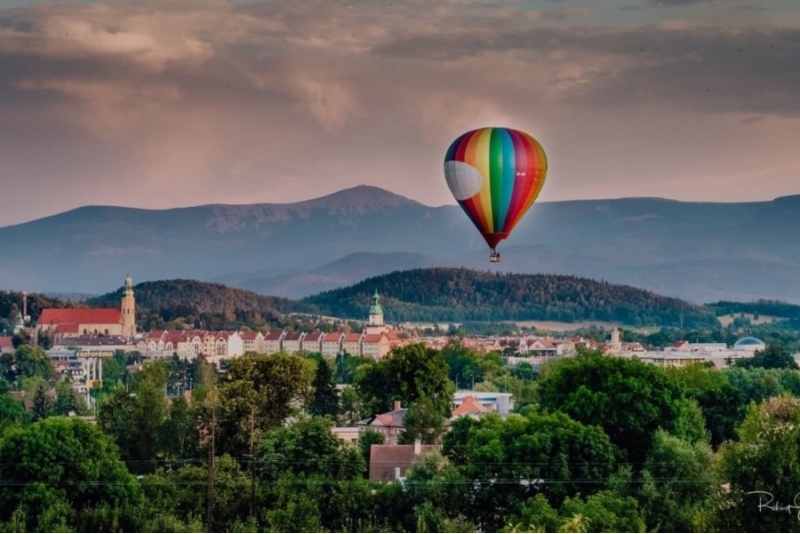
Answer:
(442, 294)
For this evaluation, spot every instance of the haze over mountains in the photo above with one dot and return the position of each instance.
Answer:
(701, 252)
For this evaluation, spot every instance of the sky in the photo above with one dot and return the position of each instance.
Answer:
(168, 103)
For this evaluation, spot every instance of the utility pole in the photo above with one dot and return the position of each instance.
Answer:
(252, 461)
(211, 470)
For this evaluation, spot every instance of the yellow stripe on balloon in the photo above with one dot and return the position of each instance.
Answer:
(482, 164)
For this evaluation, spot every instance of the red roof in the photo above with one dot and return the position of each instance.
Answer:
(249, 336)
(334, 336)
(292, 336)
(67, 328)
(80, 316)
(273, 336)
(469, 406)
(313, 336)
(374, 338)
(352, 338)
(6, 342)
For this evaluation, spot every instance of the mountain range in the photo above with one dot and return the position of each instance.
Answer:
(700, 252)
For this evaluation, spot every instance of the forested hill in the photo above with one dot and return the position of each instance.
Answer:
(773, 308)
(442, 294)
(205, 304)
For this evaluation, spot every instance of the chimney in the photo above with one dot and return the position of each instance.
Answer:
(397, 404)
(417, 447)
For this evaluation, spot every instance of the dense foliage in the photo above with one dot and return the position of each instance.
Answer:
(463, 295)
(595, 443)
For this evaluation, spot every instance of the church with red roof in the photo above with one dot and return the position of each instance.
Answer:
(58, 323)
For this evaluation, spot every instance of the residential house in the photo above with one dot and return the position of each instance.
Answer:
(332, 344)
(312, 342)
(351, 343)
(391, 462)
(253, 342)
(375, 346)
(272, 342)
(292, 341)
(389, 424)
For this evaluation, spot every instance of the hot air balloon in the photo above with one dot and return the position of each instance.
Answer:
(495, 174)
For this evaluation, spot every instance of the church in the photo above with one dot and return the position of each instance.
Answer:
(58, 323)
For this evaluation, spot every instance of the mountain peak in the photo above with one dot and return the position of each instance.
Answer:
(361, 196)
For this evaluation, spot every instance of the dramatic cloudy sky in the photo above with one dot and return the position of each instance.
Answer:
(158, 103)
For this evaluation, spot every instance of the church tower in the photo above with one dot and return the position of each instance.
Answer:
(128, 309)
(375, 323)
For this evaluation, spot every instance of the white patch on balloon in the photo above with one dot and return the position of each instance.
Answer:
(464, 180)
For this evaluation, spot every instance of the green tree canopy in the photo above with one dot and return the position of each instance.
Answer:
(325, 400)
(406, 374)
(628, 398)
(270, 387)
(515, 458)
(60, 460)
(762, 468)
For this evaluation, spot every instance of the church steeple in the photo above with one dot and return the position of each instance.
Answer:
(128, 309)
(375, 313)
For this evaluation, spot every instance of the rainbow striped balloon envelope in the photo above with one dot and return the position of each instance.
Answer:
(495, 174)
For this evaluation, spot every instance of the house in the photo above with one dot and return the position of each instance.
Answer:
(6, 344)
(469, 407)
(494, 401)
(376, 346)
(312, 342)
(391, 462)
(351, 343)
(272, 342)
(389, 424)
(348, 434)
(332, 344)
(253, 342)
(292, 342)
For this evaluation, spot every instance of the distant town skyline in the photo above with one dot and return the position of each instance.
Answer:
(155, 104)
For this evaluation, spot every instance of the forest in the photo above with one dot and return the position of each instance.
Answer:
(420, 295)
(177, 446)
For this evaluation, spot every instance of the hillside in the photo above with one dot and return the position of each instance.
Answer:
(700, 252)
(445, 294)
(202, 304)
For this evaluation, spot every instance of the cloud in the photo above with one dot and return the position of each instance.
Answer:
(185, 102)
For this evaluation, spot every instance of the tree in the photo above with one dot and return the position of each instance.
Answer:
(365, 443)
(60, 460)
(307, 448)
(761, 470)
(325, 400)
(513, 459)
(422, 421)
(677, 486)
(136, 419)
(274, 386)
(407, 374)
(68, 401)
(26, 362)
(42, 404)
(12, 414)
(351, 407)
(630, 399)
(773, 356)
